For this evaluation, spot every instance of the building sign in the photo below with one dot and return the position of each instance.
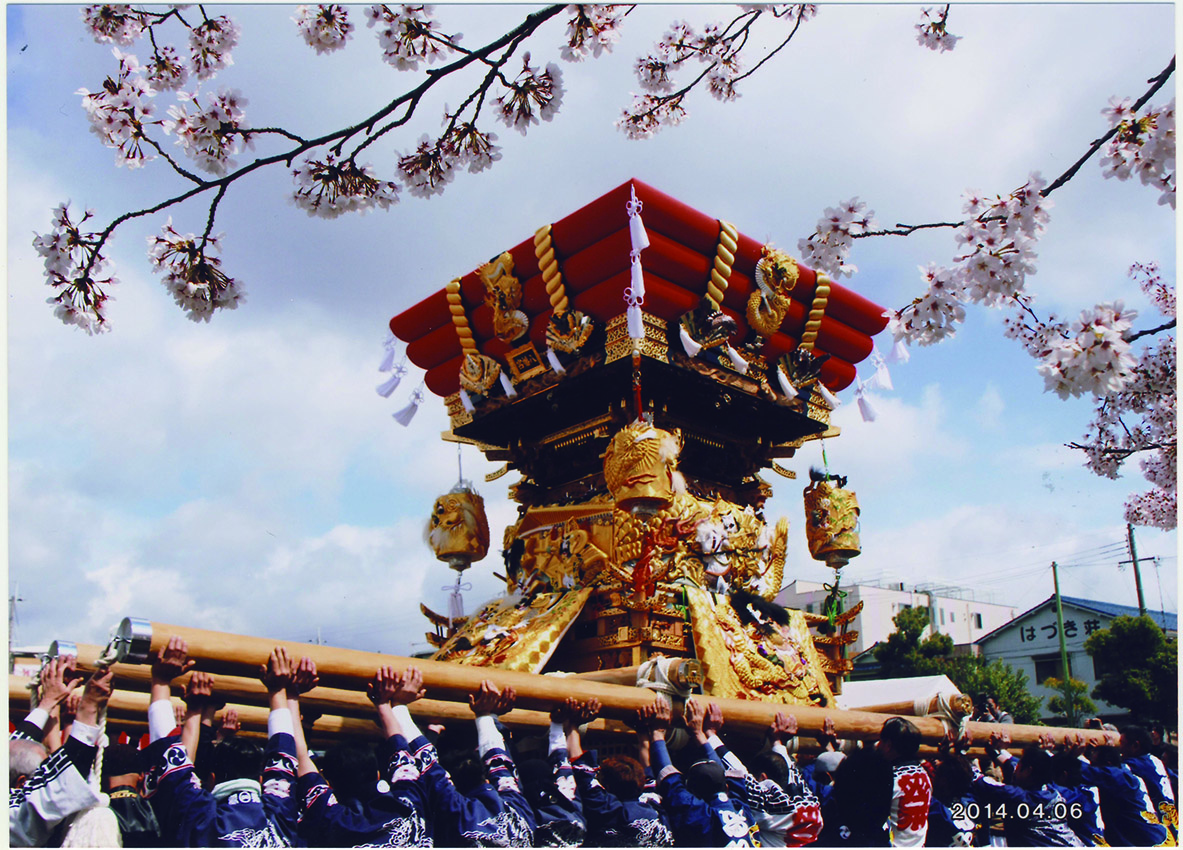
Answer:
(1050, 631)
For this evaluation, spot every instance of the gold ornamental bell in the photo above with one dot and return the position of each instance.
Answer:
(640, 467)
(458, 531)
(831, 519)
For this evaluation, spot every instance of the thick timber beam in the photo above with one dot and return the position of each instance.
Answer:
(223, 653)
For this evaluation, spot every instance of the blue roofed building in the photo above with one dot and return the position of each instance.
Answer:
(1031, 643)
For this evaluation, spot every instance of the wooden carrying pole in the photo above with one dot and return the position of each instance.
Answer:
(219, 652)
(129, 710)
(327, 701)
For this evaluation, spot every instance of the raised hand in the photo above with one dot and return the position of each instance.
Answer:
(230, 725)
(657, 716)
(56, 681)
(304, 678)
(95, 696)
(583, 712)
(693, 715)
(200, 690)
(489, 700)
(410, 687)
(713, 721)
(276, 675)
(171, 661)
(784, 726)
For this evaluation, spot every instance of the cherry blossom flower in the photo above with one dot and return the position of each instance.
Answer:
(592, 30)
(531, 95)
(932, 31)
(1147, 276)
(408, 36)
(1141, 419)
(165, 70)
(325, 27)
(1095, 358)
(113, 23)
(119, 111)
(1157, 508)
(721, 79)
(77, 271)
(933, 316)
(472, 147)
(210, 44)
(648, 114)
(828, 247)
(1144, 145)
(999, 242)
(195, 279)
(653, 72)
(328, 188)
(428, 169)
(213, 135)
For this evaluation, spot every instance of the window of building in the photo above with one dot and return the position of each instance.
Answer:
(950, 616)
(942, 616)
(1048, 666)
(809, 608)
(977, 621)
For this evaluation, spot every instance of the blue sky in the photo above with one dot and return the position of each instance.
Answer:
(243, 475)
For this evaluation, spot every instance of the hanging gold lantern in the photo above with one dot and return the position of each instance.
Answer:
(831, 519)
(640, 467)
(458, 531)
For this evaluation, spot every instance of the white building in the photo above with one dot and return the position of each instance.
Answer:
(954, 610)
(1031, 642)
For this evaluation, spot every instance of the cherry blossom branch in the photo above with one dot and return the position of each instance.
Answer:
(188, 175)
(273, 131)
(412, 98)
(1156, 84)
(774, 51)
(908, 229)
(1151, 331)
(213, 212)
(1122, 452)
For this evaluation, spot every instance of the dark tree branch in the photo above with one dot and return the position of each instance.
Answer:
(1151, 331)
(527, 27)
(213, 211)
(1156, 84)
(773, 52)
(908, 229)
(1124, 453)
(188, 175)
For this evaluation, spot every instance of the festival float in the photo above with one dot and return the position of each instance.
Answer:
(638, 364)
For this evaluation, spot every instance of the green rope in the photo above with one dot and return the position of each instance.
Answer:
(832, 604)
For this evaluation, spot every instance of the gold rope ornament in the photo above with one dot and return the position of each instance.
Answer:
(724, 260)
(552, 276)
(821, 297)
(459, 317)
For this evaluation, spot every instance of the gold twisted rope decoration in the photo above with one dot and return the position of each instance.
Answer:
(459, 317)
(821, 296)
(549, 266)
(724, 260)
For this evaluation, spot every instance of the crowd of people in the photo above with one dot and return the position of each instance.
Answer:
(461, 785)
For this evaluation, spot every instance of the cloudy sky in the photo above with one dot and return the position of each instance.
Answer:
(243, 475)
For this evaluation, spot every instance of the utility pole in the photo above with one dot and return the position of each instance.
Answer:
(1069, 704)
(1129, 529)
(12, 600)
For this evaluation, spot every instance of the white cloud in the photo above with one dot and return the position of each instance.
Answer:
(990, 407)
